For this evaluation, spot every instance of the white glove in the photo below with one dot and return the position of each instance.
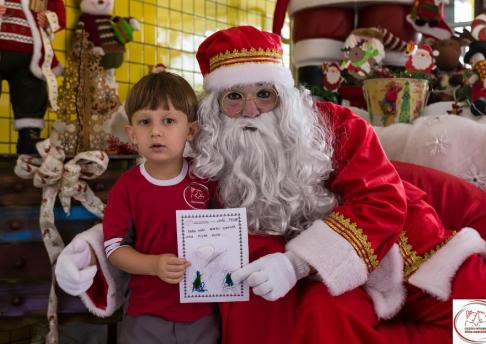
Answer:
(273, 275)
(134, 24)
(99, 51)
(74, 274)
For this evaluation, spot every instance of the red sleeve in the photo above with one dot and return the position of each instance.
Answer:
(372, 202)
(118, 217)
(445, 192)
(57, 6)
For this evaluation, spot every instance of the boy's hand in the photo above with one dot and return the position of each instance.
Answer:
(170, 268)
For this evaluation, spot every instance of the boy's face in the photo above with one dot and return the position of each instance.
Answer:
(160, 135)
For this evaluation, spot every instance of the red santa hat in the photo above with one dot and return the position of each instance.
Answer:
(242, 55)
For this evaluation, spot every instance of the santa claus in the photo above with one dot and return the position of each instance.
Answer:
(316, 177)
(422, 60)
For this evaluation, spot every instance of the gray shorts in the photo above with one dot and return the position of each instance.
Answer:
(153, 330)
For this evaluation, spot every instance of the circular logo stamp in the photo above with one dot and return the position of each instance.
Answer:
(196, 195)
(470, 321)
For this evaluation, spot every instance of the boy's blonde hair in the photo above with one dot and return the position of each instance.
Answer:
(156, 89)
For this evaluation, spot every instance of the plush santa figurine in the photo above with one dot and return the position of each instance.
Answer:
(27, 61)
(331, 77)
(421, 61)
(427, 17)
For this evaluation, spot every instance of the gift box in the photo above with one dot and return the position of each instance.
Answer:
(394, 100)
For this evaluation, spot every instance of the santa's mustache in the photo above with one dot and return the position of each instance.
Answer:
(260, 123)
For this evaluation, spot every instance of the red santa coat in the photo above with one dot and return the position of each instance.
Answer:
(56, 7)
(381, 235)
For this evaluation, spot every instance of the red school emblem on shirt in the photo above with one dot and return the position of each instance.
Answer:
(196, 195)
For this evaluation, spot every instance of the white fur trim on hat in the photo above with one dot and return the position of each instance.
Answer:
(436, 274)
(247, 73)
(334, 258)
(315, 51)
(299, 5)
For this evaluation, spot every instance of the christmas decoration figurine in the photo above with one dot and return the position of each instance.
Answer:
(427, 17)
(331, 81)
(28, 64)
(363, 52)
(421, 61)
(107, 33)
(475, 56)
(478, 27)
(332, 78)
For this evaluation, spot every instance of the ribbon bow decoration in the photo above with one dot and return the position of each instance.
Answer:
(68, 181)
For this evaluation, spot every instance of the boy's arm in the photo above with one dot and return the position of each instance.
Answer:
(168, 267)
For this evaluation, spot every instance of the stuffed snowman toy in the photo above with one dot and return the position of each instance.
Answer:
(108, 34)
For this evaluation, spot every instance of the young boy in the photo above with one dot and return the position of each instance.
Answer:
(139, 225)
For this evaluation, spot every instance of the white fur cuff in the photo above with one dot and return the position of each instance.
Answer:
(334, 258)
(116, 279)
(385, 285)
(436, 274)
(28, 123)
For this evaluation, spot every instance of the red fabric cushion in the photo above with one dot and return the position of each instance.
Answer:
(458, 203)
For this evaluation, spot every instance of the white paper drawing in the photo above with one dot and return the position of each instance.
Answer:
(215, 241)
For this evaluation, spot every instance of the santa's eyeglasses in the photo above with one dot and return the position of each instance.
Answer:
(233, 101)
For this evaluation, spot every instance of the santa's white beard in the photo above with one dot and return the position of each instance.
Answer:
(271, 165)
(333, 76)
(422, 62)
